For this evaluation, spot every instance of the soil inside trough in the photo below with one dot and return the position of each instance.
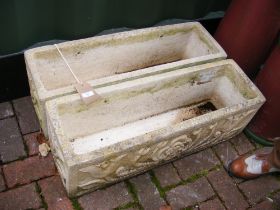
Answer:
(198, 109)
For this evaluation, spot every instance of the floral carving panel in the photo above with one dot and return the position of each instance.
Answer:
(139, 160)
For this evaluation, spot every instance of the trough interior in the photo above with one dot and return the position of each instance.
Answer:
(150, 106)
(119, 55)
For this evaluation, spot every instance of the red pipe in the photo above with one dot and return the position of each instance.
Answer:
(266, 123)
(248, 30)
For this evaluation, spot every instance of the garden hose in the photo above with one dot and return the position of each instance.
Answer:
(257, 139)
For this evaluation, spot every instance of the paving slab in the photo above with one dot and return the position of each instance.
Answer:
(214, 204)
(227, 190)
(32, 143)
(24, 197)
(54, 194)
(195, 163)
(148, 194)
(265, 205)
(225, 152)
(187, 195)
(109, 198)
(258, 189)
(242, 144)
(26, 115)
(6, 110)
(11, 144)
(167, 175)
(28, 170)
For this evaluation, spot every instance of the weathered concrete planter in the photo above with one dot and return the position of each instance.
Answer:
(145, 122)
(115, 58)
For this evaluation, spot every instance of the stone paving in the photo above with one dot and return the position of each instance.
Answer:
(198, 181)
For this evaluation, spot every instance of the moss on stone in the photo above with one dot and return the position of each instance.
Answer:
(129, 205)
(133, 191)
(157, 184)
(76, 204)
(38, 190)
(197, 176)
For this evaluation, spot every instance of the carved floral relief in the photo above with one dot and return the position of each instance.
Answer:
(136, 161)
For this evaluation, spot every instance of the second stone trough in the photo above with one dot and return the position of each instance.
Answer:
(109, 59)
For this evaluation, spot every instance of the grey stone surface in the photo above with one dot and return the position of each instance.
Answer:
(24, 197)
(26, 115)
(258, 189)
(187, 195)
(227, 190)
(214, 204)
(195, 163)
(6, 110)
(11, 143)
(266, 205)
(104, 199)
(242, 144)
(167, 175)
(226, 153)
(148, 194)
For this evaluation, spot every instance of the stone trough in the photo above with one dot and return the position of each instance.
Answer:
(138, 124)
(114, 58)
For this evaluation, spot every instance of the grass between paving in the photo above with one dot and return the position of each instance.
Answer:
(191, 179)
(157, 184)
(162, 191)
(271, 196)
(76, 204)
(38, 190)
(129, 205)
(133, 191)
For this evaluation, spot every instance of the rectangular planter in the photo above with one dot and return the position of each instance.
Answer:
(114, 58)
(139, 124)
